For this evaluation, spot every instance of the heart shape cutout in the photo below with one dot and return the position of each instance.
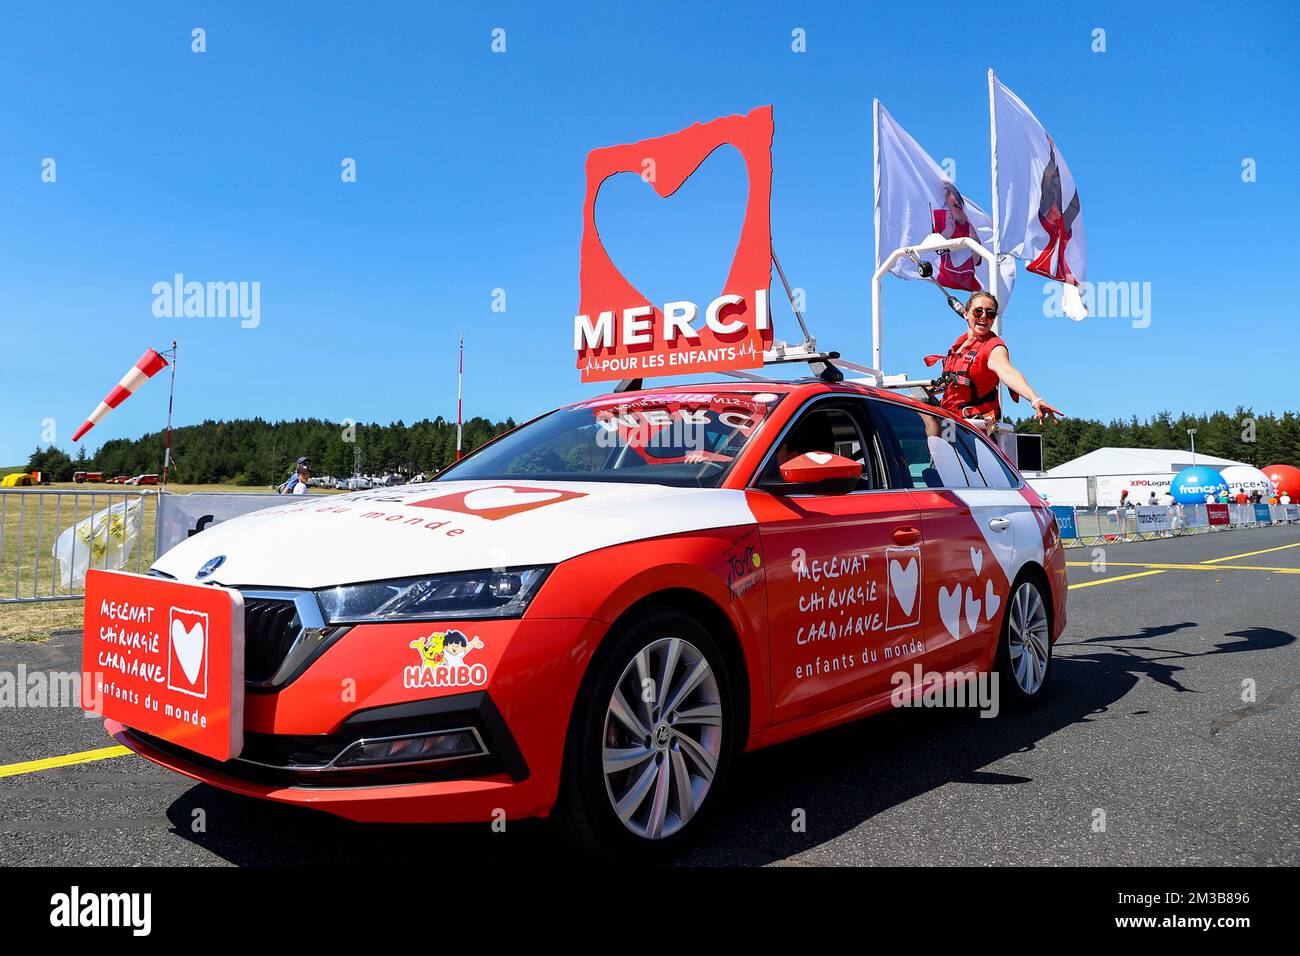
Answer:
(977, 560)
(972, 610)
(950, 610)
(991, 601)
(903, 579)
(677, 247)
(189, 648)
(485, 499)
(819, 457)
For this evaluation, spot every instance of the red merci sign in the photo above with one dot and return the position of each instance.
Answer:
(620, 333)
(167, 659)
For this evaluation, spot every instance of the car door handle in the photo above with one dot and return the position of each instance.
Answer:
(906, 536)
(1000, 524)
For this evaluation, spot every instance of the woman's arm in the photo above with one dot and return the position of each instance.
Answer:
(1000, 362)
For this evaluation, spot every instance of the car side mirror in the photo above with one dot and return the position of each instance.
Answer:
(818, 472)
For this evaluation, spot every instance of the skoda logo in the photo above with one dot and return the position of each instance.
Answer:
(211, 565)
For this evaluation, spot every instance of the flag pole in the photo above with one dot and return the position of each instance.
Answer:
(995, 267)
(460, 377)
(876, 345)
(171, 394)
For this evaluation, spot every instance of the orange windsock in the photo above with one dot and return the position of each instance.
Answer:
(149, 365)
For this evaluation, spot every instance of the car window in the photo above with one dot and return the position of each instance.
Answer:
(997, 473)
(928, 454)
(685, 439)
(966, 450)
(829, 428)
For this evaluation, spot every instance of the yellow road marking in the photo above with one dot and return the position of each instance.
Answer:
(1118, 577)
(1250, 554)
(1187, 567)
(48, 763)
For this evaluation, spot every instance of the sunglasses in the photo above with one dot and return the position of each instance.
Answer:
(979, 312)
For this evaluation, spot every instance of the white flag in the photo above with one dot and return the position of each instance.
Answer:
(914, 199)
(1036, 201)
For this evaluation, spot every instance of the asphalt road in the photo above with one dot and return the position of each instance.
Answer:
(1145, 728)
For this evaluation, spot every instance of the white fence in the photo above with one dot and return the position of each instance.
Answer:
(49, 537)
(1088, 526)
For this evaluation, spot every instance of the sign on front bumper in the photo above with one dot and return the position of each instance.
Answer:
(167, 659)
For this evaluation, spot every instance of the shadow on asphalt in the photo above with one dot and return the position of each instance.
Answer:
(840, 778)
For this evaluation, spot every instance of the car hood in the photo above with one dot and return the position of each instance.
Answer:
(443, 526)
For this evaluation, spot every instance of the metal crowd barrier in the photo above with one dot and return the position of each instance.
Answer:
(1088, 526)
(49, 536)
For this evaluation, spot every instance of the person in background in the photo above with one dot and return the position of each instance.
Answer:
(1224, 497)
(1151, 499)
(1121, 512)
(1285, 499)
(298, 482)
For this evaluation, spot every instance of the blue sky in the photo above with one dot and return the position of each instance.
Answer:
(225, 166)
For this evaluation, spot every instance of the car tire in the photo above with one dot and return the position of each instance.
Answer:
(666, 768)
(1024, 658)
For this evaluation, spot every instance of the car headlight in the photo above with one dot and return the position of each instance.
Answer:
(459, 595)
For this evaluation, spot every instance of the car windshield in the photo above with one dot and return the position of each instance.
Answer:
(687, 439)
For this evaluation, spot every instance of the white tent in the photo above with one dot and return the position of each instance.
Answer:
(1134, 461)
(1101, 476)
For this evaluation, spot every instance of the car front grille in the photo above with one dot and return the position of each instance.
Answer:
(271, 627)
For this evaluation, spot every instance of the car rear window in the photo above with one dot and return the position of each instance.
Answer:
(935, 452)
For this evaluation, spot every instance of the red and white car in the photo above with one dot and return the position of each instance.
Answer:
(591, 616)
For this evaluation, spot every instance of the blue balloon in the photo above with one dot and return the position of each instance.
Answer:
(1191, 485)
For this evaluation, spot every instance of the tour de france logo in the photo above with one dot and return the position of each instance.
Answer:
(442, 661)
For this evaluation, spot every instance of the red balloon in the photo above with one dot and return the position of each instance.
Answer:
(1285, 478)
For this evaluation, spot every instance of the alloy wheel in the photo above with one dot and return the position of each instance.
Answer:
(1029, 639)
(662, 738)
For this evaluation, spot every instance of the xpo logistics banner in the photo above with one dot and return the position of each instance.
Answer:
(620, 333)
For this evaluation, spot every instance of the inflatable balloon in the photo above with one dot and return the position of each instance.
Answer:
(1246, 479)
(1191, 485)
(1285, 478)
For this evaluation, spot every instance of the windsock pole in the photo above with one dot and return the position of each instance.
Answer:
(171, 394)
(460, 378)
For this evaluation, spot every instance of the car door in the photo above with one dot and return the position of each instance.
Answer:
(968, 528)
(843, 571)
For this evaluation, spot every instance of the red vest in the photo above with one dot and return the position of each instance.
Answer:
(972, 389)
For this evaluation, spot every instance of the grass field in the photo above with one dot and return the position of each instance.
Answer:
(43, 517)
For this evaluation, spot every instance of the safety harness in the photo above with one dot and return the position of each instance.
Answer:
(970, 387)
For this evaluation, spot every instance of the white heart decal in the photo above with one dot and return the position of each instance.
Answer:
(950, 610)
(977, 560)
(902, 582)
(189, 648)
(819, 457)
(485, 499)
(991, 601)
(972, 610)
